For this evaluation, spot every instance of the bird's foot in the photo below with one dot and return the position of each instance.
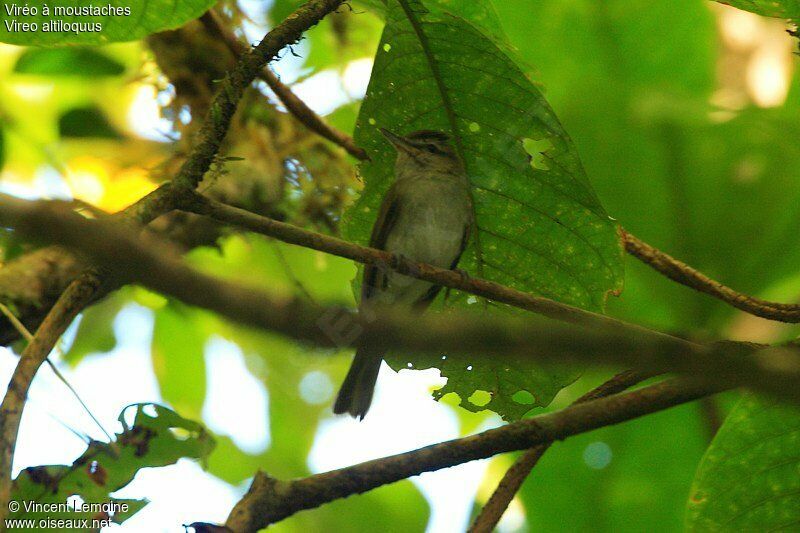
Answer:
(463, 274)
(400, 262)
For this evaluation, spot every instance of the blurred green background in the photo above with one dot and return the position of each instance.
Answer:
(685, 115)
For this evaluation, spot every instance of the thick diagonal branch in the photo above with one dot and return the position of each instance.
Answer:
(773, 370)
(270, 500)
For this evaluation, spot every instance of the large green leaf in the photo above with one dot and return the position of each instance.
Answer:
(179, 359)
(95, 332)
(146, 17)
(157, 437)
(785, 9)
(748, 480)
(83, 62)
(540, 226)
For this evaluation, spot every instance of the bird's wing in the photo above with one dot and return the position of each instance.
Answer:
(387, 217)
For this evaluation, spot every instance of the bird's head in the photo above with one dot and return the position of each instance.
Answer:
(429, 149)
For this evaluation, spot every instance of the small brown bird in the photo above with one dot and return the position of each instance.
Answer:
(426, 216)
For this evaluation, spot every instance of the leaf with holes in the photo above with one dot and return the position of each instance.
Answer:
(540, 227)
(157, 437)
(748, 478)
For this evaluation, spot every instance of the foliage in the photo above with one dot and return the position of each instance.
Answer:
(67, 62)
(156, 437)
(538, 225)
(786, 9)
(747, 479)
(145, 17)
(715, 185)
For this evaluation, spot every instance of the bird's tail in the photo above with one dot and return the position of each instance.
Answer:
(355, 396)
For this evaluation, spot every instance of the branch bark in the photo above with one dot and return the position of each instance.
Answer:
(71, 302)
(270, 500)
(324, 243)
(515, 476)
(686, 275)
(152, 263)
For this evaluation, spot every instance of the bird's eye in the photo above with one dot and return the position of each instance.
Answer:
(432, 148)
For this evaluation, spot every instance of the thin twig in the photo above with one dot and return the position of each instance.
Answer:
(774, 370)
(270, 500)
(686, 275)
(218, 120)
(297, 107)
(508, 487)
(71, 302)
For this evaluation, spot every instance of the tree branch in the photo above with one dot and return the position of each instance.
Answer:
(223, 107)
(508, 487)
(686, 275)
(270, 500)
(297, 107)
(154, 264)
(81, 291)
(32, 283)
(324, 243)
(71, 302)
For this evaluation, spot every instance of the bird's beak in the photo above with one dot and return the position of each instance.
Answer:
(400, 143)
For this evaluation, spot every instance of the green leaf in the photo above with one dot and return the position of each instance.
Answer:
(96, 329)
(2, 146)
(146, 17)
(512, 389)
(629, 478)
(785, 9)
(86, 122)
(178, 358)
(153, 440)
(541, 228)
(748, 478)
(80, 62)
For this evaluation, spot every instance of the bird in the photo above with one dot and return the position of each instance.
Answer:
(426, 216)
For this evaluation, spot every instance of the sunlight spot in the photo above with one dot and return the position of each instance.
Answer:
(356, 77)
(144, 115)
(474, 127)
(387, 47)
(236, 403)
(316, 388)
(371, 121)
(597, 455)
(768, 76)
